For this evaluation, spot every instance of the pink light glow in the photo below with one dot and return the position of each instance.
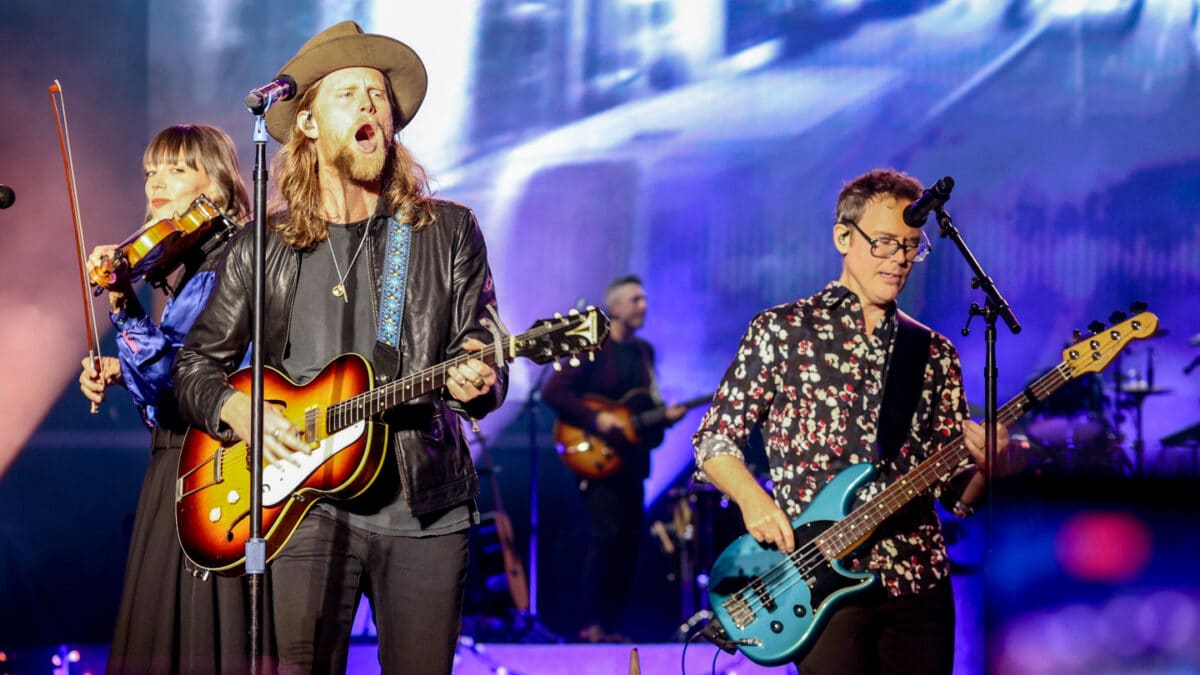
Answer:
(1104, 546)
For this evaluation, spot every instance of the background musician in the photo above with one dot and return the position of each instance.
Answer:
(613, 504)
(171, 620)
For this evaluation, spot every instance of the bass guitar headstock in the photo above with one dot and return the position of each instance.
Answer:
(1093, 354)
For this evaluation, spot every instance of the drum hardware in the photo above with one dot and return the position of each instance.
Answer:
(1132, 391)
(1188, 437)
(702, 522)
(1069, 433)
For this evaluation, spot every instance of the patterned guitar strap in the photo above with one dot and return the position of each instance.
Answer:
(395, 282)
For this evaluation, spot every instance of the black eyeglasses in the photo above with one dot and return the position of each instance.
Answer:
(886, 247)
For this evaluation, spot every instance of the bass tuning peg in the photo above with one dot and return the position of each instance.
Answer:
(1117, 317)
(1095, 327)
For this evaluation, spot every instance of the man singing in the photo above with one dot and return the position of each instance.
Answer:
(360, 258)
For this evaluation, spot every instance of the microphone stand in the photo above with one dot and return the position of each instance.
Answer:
(256, 546)
(994, 307)
(530, 621)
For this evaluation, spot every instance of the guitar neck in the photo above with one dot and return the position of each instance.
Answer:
(547, 340)
(659, 413)
(847, 533)
(375, 401)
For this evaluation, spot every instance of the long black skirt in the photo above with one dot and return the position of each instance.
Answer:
(171, 620)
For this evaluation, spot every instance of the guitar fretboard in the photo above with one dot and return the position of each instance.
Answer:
(847, 533)
(370, 403)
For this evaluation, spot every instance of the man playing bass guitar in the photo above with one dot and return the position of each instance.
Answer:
(613, 503)
(841, 378)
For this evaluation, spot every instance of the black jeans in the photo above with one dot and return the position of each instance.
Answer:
(874, 634)
(614, 509)
(415, 587)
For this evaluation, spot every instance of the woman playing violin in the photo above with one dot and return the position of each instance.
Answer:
(171, 619)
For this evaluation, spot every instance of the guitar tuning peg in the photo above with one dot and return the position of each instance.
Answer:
(1138, 307)
(557, 367)
(1095, 327)
(558, 315)
(591, 308)
(592, 357)
(572, 312)
(574, 361)
(1076, 335)
(1117, 317)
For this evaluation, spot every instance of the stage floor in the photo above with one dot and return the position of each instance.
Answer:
(479, 659)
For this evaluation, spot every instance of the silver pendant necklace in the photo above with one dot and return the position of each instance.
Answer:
(339, 289)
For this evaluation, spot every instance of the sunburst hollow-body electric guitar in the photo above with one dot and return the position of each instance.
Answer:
(337, 414)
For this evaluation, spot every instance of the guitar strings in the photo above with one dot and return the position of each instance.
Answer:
(436, 375)
(341, 411)
(804, 560)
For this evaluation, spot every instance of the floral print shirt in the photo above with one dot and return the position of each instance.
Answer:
(809, 374)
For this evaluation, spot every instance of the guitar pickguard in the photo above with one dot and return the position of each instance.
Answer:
(282, 478)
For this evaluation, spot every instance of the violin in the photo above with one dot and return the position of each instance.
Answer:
(158, 249)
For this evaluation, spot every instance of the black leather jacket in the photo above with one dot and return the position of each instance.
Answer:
(449, 288)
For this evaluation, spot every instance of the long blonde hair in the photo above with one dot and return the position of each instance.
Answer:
(203, 145)
(405, 184)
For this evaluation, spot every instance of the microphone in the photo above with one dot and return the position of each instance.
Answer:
(280, 89)
(7, 196)
(931, 199)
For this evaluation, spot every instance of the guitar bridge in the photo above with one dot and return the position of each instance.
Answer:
(201, 476)
(739, 611)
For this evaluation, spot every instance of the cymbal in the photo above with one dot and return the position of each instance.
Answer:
(1137, 392)
(1141, 389)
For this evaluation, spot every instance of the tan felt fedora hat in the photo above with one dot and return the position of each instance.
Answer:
(345, 45)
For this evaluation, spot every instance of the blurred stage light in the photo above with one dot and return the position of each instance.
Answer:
(1104, 546)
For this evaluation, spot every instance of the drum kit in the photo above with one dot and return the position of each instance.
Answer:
(1093, 427)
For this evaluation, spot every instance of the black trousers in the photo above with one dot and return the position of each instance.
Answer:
(414, 585)
(874, 634)
(614, 510)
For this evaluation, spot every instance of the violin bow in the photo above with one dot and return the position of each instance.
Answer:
(89, 311)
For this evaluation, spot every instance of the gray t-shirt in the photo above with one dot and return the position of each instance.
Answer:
(325, 325)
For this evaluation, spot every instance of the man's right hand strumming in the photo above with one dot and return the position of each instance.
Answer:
(764, 520)
(608, 422)
(280, 437)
